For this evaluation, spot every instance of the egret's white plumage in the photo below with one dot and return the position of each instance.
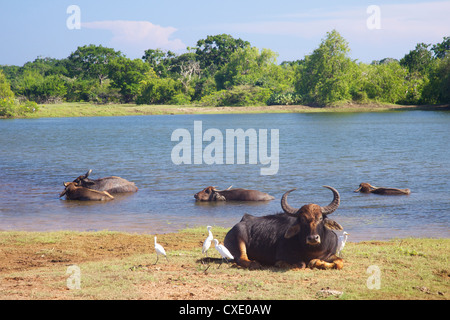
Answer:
(223, 251)
(160, 251)
(208, 241)
(341, 242)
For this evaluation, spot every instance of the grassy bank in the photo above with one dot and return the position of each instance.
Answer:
(115, 265)
(80, 109)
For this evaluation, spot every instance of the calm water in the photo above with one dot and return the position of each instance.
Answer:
(397, 149)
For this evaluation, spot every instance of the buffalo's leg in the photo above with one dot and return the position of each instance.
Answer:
(243, 259)
(335, 263)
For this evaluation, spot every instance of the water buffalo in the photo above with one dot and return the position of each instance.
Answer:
(109, 184)
(295, 238)
(367, 188)
(212, 194)
(74, 192)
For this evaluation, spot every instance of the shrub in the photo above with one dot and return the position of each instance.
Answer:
(180, 99)
(243, 95)
(159, 91)
(5, 88)
(286, 98)
(10, 107)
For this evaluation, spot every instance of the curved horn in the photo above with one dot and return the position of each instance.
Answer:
(65, 189)
(285, 206)
(88, 173)
(334, 204)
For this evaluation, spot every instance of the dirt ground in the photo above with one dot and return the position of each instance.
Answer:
(120, 266)
(24, 252)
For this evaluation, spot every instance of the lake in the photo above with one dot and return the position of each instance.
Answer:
(407, 149)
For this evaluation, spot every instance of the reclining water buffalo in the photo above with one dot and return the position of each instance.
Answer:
(74, 192)
(367, 188)
(295, 238)
(212, 194)
(109, 184)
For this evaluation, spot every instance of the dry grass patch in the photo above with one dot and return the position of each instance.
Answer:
(117, 265)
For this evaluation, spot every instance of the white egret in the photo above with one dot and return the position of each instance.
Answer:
(160, 251)
(341, 242)
(207, 242)
(223, 251)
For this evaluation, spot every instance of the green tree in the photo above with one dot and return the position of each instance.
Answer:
(127, 75)
(384, 82)
(249, 66)
(159, 60)
(157, 90)
(437, 90)
(5, 87)
(441, 50)
(327, 74)
(419, 59)
(92, 62)
(47, 66)
(214, 51)
(186, 69)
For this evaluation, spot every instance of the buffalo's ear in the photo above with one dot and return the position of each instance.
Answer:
(332, 225)
(292, 231)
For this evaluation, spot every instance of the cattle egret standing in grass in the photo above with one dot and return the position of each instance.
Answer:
(207, 242)
(341, 242)
(223, 251)
(159, 251)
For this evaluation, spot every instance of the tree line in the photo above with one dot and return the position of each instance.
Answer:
(223, 71)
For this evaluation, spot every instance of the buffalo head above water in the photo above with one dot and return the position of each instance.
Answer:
(110, 184)
(368, 188)
(239, 194)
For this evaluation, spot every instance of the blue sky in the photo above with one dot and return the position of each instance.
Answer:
(292, 28)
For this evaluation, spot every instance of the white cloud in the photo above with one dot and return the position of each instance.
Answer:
(399, 20)
(137, 36)
(402, 26)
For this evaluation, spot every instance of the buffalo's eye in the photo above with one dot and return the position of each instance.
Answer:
(207, 191)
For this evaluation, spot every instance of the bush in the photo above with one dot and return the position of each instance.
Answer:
(10, 107)
(159, 91)
(103, 94)
(286, 98)
(238, 96)
(5, 88)
(180, 99)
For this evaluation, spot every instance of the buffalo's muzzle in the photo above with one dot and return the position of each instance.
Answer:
(313, 239)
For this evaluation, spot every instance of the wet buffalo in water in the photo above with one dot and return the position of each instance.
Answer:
(74, 192)
(367, 188)
(212, 194)
(110, 184)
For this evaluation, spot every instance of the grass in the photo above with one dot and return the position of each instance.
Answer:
(82, 109)
(117, 265)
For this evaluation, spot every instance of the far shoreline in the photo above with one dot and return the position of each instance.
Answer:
(84, 109)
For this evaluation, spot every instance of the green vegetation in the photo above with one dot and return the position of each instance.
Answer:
(9, 105)
(116, 265)
(224, 71)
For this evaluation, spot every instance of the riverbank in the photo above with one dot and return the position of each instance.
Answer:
(115, 265)
(81, 109)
